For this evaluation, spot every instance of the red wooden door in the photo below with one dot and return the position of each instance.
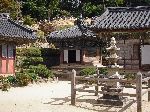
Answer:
(7, 59)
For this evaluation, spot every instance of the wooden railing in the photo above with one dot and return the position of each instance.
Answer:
(138, 82)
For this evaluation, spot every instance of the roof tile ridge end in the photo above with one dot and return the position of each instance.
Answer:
(21, 26)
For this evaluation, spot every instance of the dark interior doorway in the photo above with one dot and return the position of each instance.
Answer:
(71, 56)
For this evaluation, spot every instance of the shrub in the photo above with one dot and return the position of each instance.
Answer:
(31, 73)
(32, 51)
(5, 85)
(33, 76)
(22, 79)
(103, 71)
(32, 61)
(43, 72)
(88, 71)
(129, 76)
(11, 80)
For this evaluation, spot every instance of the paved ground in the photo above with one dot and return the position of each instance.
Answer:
(54, 97)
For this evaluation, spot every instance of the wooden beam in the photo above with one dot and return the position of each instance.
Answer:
(82, 90)
(139, 91)
(127, 106)
(149, 90)
(144, 92)
(97, 82)
(104, 80)
(115, 93)
(73, 91)
(146, 79)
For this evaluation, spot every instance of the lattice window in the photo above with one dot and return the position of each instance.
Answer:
(135, 52)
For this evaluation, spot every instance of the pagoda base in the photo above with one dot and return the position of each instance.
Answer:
(112, 102)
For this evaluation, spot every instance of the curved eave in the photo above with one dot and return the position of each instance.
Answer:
(17, 40)
(112, 30)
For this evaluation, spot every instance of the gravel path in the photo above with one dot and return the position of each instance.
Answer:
(55, 97)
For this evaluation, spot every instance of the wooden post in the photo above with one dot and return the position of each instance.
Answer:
(139, 91)
(73, 91)
(96, 87)
(149, 90)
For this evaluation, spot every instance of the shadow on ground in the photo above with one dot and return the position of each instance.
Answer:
(89, 104)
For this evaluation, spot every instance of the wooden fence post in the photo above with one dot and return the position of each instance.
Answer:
(149, 90)
(139, 91)
(96, 87)
(73, 91)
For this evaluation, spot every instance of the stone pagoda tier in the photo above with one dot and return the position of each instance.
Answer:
(115, 87)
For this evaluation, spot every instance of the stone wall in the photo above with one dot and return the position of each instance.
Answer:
(129, 51)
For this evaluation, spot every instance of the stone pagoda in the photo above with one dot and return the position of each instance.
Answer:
(113, 68)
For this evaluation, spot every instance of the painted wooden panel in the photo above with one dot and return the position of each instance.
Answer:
(7, 59)
(10, 51)
(77, 55)
(145, 54)
(10, 66)
(4, 51)
(66, 55)
(4, 65)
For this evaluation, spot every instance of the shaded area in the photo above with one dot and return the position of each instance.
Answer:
(91, 104)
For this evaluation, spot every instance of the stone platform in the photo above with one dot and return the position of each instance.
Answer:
(112, 102)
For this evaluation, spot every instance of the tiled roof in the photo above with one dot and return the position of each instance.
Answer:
(11, 29)
(123, 18)
(76, 31)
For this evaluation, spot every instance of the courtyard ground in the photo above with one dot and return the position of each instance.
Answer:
(55, 97)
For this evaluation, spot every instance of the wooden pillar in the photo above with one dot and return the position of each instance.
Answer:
(61, 56)
(96, 87)
(149, 90)
(83, 54)
(97, 52)
(73, 91)
(101, 60)
(139, 91)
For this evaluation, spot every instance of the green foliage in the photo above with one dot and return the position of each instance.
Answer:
(88, 71)
(28, 20)
(34, 8)
(11, 6)
(91, 71)
(31, 72)
(103, 71)
(48, 9)
(91, 10)
(130, 76)
(42, 71)
(11, 80)
(32, 61)
(32, 51)
(53, 8)
(23, 79)
(4, 83)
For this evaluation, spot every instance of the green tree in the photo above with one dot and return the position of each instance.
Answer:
(37, 9)
(11, 6)
(91, 10)
(53, 8)
(28, 20)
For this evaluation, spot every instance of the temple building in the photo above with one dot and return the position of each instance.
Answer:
(129, 25)
(77, 44)
(11, 35)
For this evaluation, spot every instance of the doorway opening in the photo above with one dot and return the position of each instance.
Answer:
(71, 56)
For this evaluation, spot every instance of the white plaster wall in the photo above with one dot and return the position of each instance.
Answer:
(66, 55)
(145, 54)
(77, 55)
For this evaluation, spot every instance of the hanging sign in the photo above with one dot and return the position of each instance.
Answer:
(4, 50)
(10, 51)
